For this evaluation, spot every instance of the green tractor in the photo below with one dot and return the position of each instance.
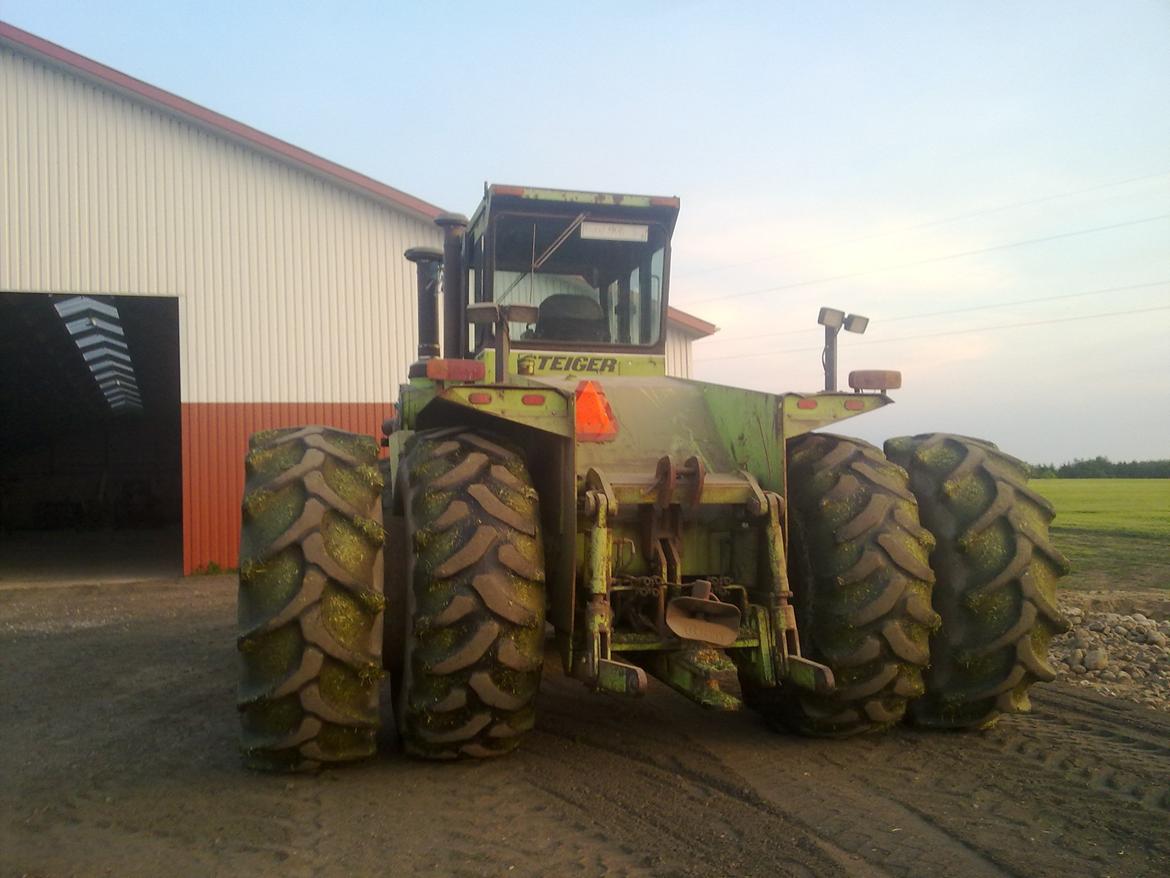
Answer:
(544, 475)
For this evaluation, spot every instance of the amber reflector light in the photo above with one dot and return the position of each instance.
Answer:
(594, 418)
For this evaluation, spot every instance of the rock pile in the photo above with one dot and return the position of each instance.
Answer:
(1123, 655)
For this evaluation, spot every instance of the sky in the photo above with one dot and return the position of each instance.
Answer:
(988, 182)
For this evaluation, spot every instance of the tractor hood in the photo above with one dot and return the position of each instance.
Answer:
(645, 418)
(654, 416)
(728, 429)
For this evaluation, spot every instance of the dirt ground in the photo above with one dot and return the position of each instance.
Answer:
(118, 757)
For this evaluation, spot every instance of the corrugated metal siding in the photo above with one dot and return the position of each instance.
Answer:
(215, 440)
(678, 353)
(292, 288)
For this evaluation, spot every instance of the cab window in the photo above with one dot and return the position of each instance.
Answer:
(594, 282)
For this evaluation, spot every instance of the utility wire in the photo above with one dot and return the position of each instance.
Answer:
(929, 260)
(923, 225)
(987, 307)
(938, 334)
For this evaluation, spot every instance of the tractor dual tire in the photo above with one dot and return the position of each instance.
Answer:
(996, 573)
(861, 587)
(310, 599)
(474, 639)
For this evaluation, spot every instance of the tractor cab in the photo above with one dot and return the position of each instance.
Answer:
(567, 272)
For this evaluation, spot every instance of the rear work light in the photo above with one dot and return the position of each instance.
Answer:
(875, 379)
(594, 420)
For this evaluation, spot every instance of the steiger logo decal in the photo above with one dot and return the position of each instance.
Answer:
(530, 363)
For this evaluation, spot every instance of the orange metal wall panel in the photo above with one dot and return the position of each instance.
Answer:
(215, 439)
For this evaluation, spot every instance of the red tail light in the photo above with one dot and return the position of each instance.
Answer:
(594, 418)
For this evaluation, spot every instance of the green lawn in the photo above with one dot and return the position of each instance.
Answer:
(1116, 532)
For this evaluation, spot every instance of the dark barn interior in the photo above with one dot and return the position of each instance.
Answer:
(90, 465)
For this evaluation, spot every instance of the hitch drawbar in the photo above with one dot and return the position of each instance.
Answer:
(694, 635)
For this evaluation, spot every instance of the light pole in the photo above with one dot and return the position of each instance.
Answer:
(833, 320)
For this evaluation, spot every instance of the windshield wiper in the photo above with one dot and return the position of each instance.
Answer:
(552, 248)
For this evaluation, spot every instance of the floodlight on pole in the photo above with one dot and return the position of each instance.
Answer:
(834, 321)
(856, 323)
(831, 318)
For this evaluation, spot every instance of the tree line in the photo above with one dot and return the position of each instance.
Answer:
(1103, 468)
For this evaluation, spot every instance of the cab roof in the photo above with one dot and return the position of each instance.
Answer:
(662, 208)
(570, 196)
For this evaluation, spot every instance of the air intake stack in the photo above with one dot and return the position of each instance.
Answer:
(454, 226)
(427, 261)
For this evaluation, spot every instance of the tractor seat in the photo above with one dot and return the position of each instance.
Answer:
(565, 317)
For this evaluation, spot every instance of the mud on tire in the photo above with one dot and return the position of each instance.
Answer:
(475, 596)
(997, 571)
(861, 583)
(310, 598)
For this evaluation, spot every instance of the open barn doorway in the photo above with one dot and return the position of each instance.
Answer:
(90, 461)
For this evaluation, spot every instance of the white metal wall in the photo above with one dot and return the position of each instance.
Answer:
(291, 288)
(678, 352)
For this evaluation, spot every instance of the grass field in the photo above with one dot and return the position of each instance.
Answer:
(1116, 532)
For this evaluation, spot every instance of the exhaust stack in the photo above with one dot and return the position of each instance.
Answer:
(454, 226)
(427, 261)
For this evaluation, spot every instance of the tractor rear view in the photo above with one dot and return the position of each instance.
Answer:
(544, 474)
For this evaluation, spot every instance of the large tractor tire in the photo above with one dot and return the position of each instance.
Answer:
(996, 574)
(474, 639)
(861, 587)
(310, 599)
